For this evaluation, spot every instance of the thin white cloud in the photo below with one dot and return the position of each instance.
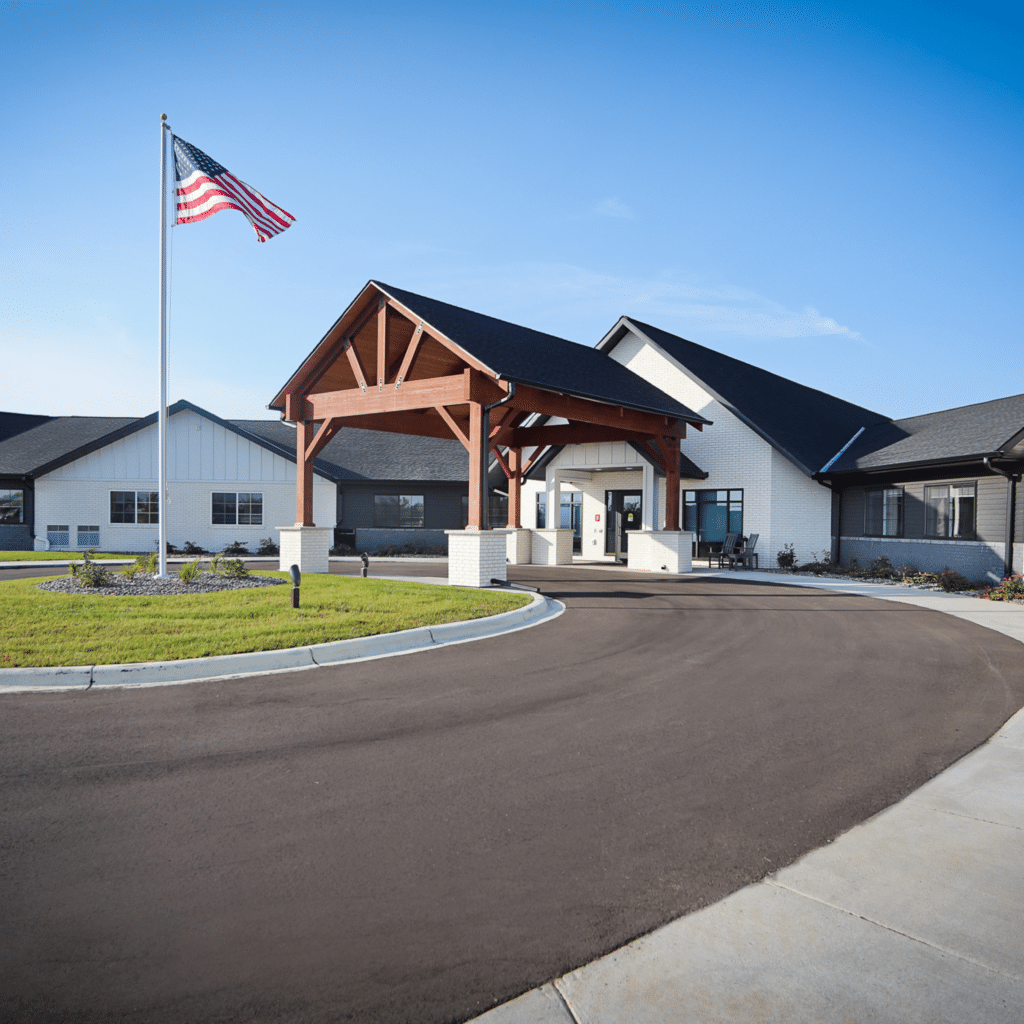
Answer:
(613, 208)
(570, 300)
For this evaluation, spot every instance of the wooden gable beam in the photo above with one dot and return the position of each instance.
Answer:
(410, 355)
(584, 410)
(501, 462)
(414, 394)
(570, 433)
(439, 337)
(453, 426)
(328, 429)
(382, 343)
(357, 367)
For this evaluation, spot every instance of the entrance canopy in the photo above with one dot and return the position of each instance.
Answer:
(407, 364)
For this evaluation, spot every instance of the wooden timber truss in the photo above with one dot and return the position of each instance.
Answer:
(423, 383)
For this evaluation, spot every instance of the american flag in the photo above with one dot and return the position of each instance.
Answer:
(205, 187)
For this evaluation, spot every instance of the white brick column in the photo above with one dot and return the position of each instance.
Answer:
(660, 551)
(475, 557)
(552, 547)
(520, 547)
(308, 547)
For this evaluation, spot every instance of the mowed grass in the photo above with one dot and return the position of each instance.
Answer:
(38, 628)
(54, 556)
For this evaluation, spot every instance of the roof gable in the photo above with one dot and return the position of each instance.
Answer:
(805, 425)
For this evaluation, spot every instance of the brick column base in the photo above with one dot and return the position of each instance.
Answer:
(520, 547)
(475, 557)
(552, 547)
(308, 547)
(660, 551)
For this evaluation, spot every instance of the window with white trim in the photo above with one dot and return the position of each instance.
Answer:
(59, 535)
(141, 507)
(88, 536)
(237, 508)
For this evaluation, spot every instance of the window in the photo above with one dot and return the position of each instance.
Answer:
(570, 511)
(134, 507)
(237, 508)
(713, 514)
(883, 512)
(12, 507)
(59, 535)
(398, 511)
(949, 511)
(88, 536)
(542, 510)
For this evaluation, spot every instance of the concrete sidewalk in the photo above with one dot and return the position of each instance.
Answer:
(912, 916)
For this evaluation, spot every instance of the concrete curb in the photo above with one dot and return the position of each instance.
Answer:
(233, 666)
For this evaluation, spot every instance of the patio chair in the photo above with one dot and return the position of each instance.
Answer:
(748, 556)
(728, 549)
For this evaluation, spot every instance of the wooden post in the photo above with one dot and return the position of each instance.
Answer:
(476, 479)
(515, 493)
(670, 446)
(304, 431)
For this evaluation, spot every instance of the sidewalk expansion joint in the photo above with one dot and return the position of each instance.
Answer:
(974, 817)
(895, 931)
(565, 1002)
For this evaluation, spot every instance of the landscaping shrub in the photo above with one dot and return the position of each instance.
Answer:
(1011, 589)
(192, 549)
(89, 573)
(882, 567)
(236, 548)
(786, 557)
(233, 568)
(952, 582)
(189, 572)
(268, 546)
(340, 550)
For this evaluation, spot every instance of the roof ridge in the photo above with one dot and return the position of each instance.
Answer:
(957, 408)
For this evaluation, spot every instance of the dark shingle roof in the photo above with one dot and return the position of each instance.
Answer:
(27, 452)
(13, 423)
(356, 454)
(805, 425)
(970, 431)
(541, 360)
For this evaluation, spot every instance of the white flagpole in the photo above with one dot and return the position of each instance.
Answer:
(162, 414)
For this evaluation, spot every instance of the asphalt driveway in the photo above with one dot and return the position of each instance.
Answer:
(419, 838)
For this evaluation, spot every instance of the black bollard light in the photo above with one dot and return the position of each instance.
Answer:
(366, 564)
(296, 576)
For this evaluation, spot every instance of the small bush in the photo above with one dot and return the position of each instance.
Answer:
(189, 572)
(233, 568)
(340, 550)
(786, 557)
(952, 582)
(268, 546)
(882, 567)
(1011, 589)
(130, 571)
(89, 573)
(192, 549)
(236, 548)
(171, 549)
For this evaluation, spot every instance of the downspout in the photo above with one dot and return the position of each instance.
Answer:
(485, 452)
(1011, 512)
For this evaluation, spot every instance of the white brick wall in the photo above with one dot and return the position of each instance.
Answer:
(780, 503)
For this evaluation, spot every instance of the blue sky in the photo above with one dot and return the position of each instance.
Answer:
(832, 192)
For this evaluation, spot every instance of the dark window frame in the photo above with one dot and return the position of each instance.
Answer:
(144, 508)
(236, 508)
(399, 511)
(952, 515)
(691, 512)
(10, 503)
(882, 511)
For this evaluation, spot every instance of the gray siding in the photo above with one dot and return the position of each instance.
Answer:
(442, 503)
(990, 523)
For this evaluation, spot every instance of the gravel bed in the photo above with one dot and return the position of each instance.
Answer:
(884, 581)
(143, 585)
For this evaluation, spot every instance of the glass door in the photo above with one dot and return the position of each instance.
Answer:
(628, 505)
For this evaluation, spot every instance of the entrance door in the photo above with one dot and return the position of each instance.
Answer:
(630, 505)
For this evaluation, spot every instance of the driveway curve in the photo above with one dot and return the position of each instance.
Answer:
(424, 837)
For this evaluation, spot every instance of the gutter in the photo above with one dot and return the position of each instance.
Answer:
(1011, 511)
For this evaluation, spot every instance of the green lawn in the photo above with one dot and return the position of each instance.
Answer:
(53, 556)
(38, 628)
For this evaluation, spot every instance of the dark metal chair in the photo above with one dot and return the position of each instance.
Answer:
(748, 556)
(728, 551)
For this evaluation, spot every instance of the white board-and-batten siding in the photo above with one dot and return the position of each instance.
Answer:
(202, 457)
(197, 449)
